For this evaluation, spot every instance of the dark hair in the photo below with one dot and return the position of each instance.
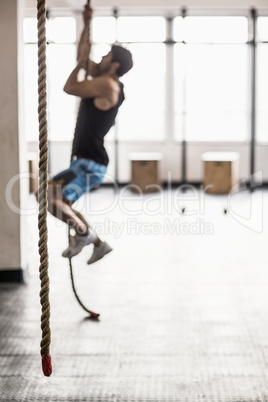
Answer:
(122, 56)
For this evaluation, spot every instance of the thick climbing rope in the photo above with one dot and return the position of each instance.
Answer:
(75, 139)
(90, 312)
(73, 155)
(42, 193)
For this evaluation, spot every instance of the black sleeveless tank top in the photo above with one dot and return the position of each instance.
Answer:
(92, 127)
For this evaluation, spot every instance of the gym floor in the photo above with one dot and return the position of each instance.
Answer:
(183, 301)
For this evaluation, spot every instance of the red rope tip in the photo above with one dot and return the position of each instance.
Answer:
(93, 315)
(46, 365)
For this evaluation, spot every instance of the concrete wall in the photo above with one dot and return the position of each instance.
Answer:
(11, 195)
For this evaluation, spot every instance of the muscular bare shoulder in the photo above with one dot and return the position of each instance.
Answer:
(105, 91)
(108, 92)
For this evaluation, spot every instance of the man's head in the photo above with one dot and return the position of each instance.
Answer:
(117, 62)
(123, 57)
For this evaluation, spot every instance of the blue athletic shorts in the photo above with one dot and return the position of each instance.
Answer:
(81, 177)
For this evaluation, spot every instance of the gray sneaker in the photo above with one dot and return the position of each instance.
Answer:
(99, 252)
(77, 243)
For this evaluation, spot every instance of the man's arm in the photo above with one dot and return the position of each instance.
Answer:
(84, 46)
(104, 89)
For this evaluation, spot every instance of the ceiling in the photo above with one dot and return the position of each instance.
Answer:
(57, 3)
(78, 4)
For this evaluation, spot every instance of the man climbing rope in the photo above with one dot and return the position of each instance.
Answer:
(102, 94)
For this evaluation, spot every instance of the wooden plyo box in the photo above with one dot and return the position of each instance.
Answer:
(221, 171)
(145, 171)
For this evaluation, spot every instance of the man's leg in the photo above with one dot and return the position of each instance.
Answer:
(100, 248)
(62, 209)
(81, 217)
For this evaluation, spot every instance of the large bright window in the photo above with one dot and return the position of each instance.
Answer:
(142, 117)
(262, 81)
(107, 35)
(216, 93)
(179, 79)
(61, 56)
(262, 29)
(61, 107)
(207, 98)
(141, 29)
(215, 29)
(211, 79)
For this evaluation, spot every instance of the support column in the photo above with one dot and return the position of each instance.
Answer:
(13, 189)
(252, 42)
